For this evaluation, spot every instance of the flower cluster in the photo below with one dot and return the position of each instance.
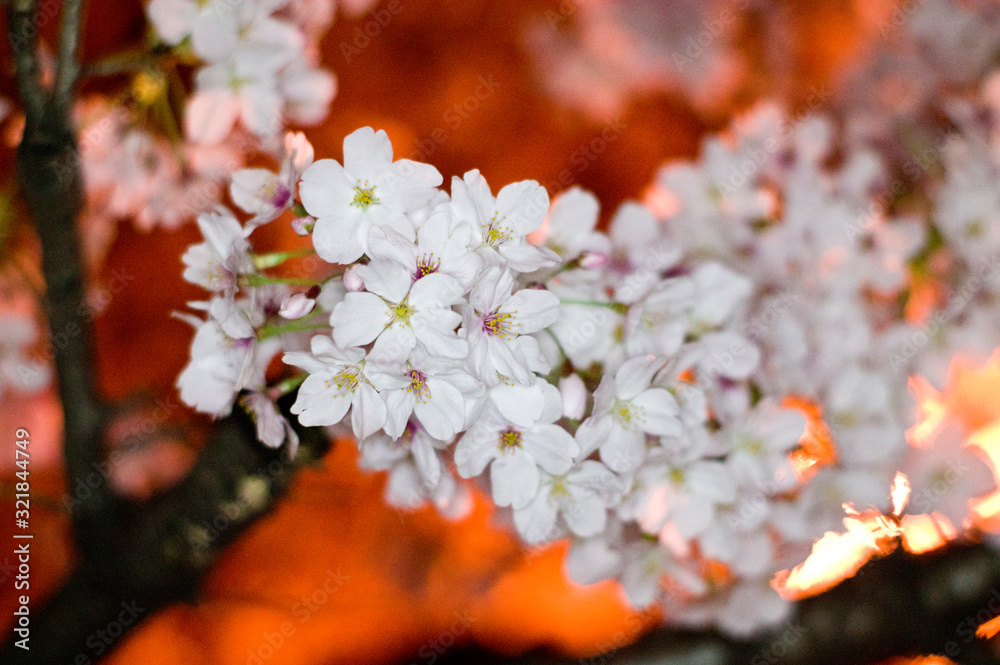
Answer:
(166, 154)
(578, 378)
(260, 63)
(689, 397)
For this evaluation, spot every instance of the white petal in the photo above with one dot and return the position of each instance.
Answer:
(624, 450)
(536, 522)
(367, 153)
(359, 319)
(552, 447)
(368, 413)
(325, 188)
(515, 479)
(659, 412)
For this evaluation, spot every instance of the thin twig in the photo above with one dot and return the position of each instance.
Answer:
(69, 61)
(127, 62)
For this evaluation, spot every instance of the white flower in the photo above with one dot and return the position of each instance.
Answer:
(266, 195)
(626, 409)
(502, 223)
(592, 560)
(220, 367)
(216, 263)
(683, 497)
(436, 392)
(515, 435)
(243, 88)
(945, 472)
(497, 324)
(414, 445)
(307, 92)
(761, 442)
(368, 191)
(397, 314)
(581, 497)
(574, 396)
(442, 247)
(569, 228)
(296, 306)
(338, 381)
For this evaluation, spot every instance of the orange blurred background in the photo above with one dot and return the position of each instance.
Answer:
(333, 575)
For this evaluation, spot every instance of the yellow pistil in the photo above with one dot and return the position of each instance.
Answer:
(427, 264)
(498, 324)
(559, 486)
(627, 415)
(346, 380)
(751, 445)
(509, 440)
(401, 313)
(496, 232)
(418, 386)
(364, 196)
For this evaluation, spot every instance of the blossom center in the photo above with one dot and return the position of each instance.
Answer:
(276, 194)
(364, 196)
(751, 445)
(627, 415)
(496, 232)
(559, 486)
(509, 439)
(402, 312)
(427, 264)
(406, 438)
(346, 380)
(418, 386)
(499, 324)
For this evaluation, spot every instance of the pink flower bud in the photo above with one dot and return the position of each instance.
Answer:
(353, 281)
(303, 226)
(574, 396)
(593, 260)
(296, 306)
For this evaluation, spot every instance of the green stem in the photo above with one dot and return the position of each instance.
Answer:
(288, 385)
(615, 306)
(273, 330)
(127, 62)
(265, 261)
(254, 279)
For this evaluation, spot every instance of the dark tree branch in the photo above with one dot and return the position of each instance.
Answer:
(52, 187)
(22, 17)
(131, 555)
(159, 551)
